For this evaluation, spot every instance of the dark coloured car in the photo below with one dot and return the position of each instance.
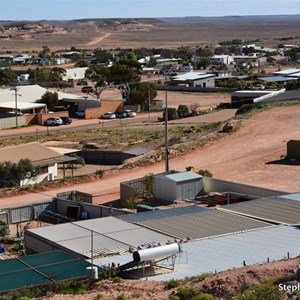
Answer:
(66, 120)
(121, 114)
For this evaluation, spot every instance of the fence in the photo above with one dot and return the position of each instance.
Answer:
(218, 185)
(91, 211)
(11, 122)
(196, 89)
(76, 196)
(26, 213)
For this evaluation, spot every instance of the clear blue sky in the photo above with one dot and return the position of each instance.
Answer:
(77, 9)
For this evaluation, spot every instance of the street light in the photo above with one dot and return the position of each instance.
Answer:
(16, 103)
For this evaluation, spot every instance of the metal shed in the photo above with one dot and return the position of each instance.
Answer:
(179, 186)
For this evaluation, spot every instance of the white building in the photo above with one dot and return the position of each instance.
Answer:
(222, 59)
(47, 159)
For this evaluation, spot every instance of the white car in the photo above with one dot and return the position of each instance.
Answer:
(108, 115)
(53, 122)
(130, 113)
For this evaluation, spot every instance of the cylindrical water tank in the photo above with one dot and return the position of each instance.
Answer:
(156, 252)
(92, 272)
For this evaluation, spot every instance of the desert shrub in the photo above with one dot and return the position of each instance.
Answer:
(203, 297)
(244, 109)
(172, 114)
(129, 203)
(100, 173)
(266, 291)
(183, 111)
(136, 295)
(117, 279)
(122, 297)
(205, 173)
(71, 288)
(173, 283)
(187, 293)
(224, 106)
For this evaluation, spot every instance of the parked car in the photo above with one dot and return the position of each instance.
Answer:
(66, 120)
(80, 114)
(130, 113)
(108, 115)
(259, 87)
(121, 114)
(53, 122)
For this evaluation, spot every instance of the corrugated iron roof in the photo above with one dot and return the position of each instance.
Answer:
(111, 236)
(202, 224)
(192, 76)
(275, 78)
(286, 72)
(33, 151)
(160, 214)
(226, 252)
(183, 176)
(295, 197)
(275, 209)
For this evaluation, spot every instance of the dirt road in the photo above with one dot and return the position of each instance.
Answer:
(246, 156)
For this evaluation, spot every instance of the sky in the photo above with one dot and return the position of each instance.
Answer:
(79, 9)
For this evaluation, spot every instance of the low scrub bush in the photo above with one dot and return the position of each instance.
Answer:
(173, 283)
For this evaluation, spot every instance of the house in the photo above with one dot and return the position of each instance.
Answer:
(195, 79)
(222, 59)
(47, 159)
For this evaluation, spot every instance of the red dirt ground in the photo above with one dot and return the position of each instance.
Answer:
(245, 156)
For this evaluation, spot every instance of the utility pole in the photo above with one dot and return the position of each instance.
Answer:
(149, 104)
(166, 127)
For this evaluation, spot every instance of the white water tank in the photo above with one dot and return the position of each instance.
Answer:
(156, 252)
(92, 272)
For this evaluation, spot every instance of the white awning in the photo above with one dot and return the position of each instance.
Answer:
(21, 105)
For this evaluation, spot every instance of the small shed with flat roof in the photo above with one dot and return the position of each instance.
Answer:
(178, 186)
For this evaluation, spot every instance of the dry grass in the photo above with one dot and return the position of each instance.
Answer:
(168, 33)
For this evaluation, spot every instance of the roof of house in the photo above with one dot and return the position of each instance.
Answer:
(286, 72)
(76, 73)
(276, 78)
(202, 224)
(27, 94)
(159, 214)
(277, 210)
(192, 76)
(225, 252)
(33, 151)
(110, 236)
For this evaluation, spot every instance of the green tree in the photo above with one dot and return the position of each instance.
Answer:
(139, 94)
(183, 111)
(152, 62)
(45, 52)
(100, 78)
(102, 55)
(11, 173)
(46, 77)
(172, 114)
(7, 77)
(50, 99)
(204, 62)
